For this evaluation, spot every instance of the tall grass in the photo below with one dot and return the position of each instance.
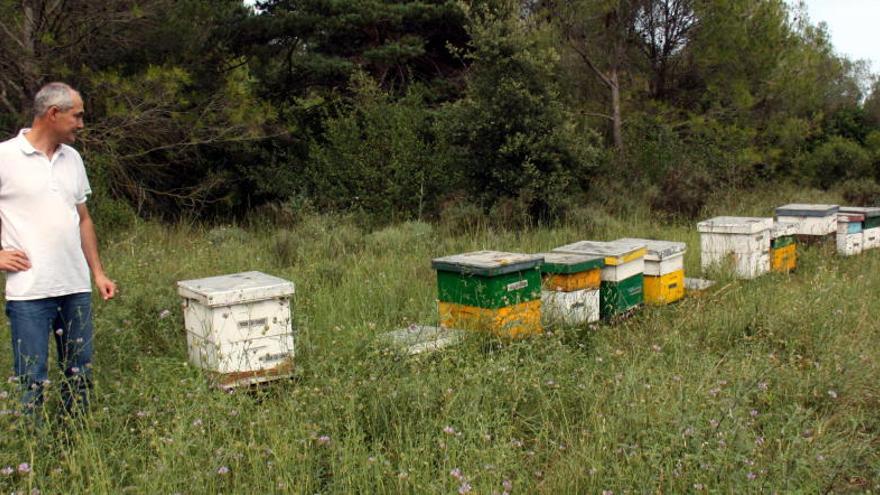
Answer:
(757, 386)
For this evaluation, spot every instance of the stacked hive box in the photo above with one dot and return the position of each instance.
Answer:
(490, 291)
(571, 287)
(239, 326)
(664, 270)
(622, 277)
(870, 227)
(783, 247)
(849, 233)
(744, 240)
(814, 222)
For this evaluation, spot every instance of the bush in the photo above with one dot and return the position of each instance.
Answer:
(683, 191)
(836, 160)
(861, 192)
(511, 136)
(377, 157)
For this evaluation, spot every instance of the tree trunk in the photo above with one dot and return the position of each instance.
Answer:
(616, 118)
(29, 69)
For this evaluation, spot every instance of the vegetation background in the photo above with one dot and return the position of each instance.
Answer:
(342, 144)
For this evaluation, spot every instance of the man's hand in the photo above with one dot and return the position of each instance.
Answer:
(13, 260)
(106, 287)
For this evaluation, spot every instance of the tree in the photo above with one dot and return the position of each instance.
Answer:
(303, 46)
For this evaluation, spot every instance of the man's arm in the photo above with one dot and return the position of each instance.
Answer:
(106, 287)
(13, 260)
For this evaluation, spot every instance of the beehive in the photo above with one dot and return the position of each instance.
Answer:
(783, 247)
(744, 241)
(622, 287)
(870, 227)
(238, 327)
(664, 270)
(571, 284)
(490, 291)
(812, 220)
(849, 233)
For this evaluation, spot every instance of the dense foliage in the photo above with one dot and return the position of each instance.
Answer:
(405, 109)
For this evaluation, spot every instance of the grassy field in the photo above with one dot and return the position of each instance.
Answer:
(770, 385)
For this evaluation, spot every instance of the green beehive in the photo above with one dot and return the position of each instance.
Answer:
(488, 279)
(617, 298)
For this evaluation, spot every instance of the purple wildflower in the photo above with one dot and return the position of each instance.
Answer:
(222, 470)
(24, 468)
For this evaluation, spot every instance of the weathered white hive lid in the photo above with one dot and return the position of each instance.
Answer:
(487, 263)
(226, 290)
(783, 229)
(868, 211)
(659, 250)
(615, 252)
(806, 210)
(735, 225)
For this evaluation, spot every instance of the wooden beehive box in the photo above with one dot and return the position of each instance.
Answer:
(239, 326)
(744, 241)
(664, 270)
(490, 290)
(622, 286)
(571, 288)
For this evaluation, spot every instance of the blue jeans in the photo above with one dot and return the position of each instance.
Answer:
(69, 320)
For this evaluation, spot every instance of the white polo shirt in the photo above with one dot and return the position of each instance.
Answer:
(38, 199)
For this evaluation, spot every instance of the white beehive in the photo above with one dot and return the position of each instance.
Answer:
(870, 226)
(661, 257)
(813, 220)
(239, 326)
(849, 234)
(570, 308)
(744, 240)
(571, 288)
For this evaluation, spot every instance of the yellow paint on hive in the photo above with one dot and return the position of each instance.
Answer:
(519, 320)
(620, 260)
(784, 259)
(664, 289)
(570, 282)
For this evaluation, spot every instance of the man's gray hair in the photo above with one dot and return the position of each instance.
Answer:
(54, 94)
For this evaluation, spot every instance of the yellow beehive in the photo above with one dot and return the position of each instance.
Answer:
(664, 270)
(518, 320)
(783, 259)
(664, 289)
(569, 282)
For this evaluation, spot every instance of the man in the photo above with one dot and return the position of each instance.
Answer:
(48, 246)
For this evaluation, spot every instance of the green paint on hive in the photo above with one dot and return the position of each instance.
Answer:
(489, 292)
(563, 268)
(781, 242)
(872, 222)
(619, 297)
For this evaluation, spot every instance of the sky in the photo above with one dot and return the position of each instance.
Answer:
(853, 25)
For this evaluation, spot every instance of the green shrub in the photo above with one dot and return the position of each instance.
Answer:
(836, 160)
(861, 192)
(511, 136)
(377, 157)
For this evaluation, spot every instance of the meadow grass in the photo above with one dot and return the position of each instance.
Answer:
(768, 385)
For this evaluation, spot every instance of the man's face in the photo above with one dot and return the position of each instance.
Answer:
(66, 124)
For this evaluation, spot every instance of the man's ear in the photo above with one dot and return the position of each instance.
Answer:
(52, 112)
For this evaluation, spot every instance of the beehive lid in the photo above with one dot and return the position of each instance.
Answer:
(226, 290)
(868, 211)
(563, 263)
(615, 252)
(659, 250)
(487, 263)
(850, 218)
(735, 225)
(784, 229)
(806, 210)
